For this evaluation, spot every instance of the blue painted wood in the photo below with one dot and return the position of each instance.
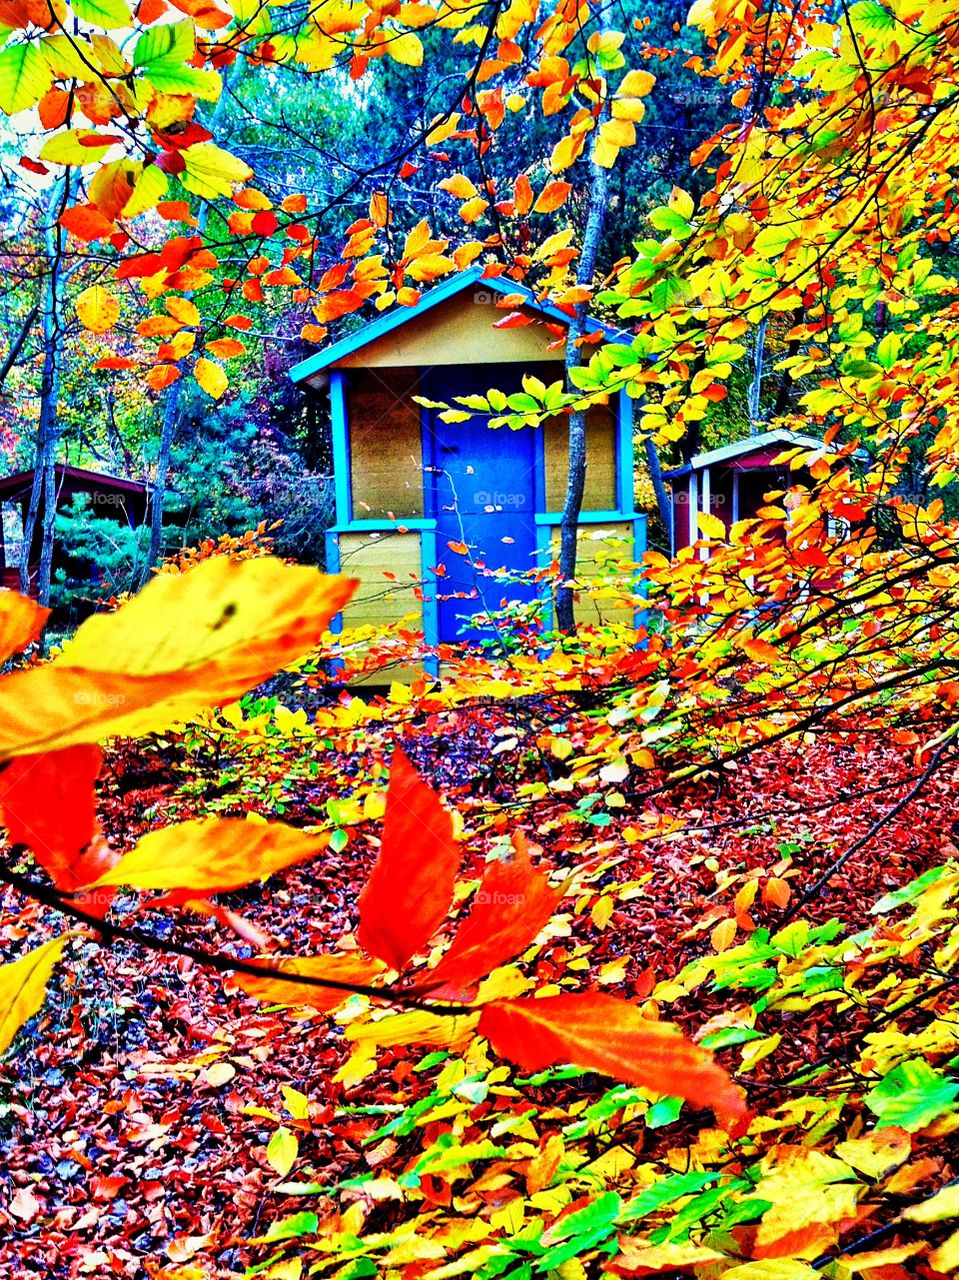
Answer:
(342, 477)
(625, 453)
(449, 288)
(333, 566)
(483, 493)
(641, 613)
(431, 613)
(585, 517)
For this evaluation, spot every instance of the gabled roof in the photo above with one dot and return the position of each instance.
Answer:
(741, 448)
(398, 316)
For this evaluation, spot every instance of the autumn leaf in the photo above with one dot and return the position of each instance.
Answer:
(98, 309)
(187, 641)
(608, 1035)
(710, 526)
(552, 197)
(211, 855)
(211, 377)
(47, 802)
(21, 621)
(23, 986)
(513, 903)
(282, 1150)
(410, 888)
(355, 970)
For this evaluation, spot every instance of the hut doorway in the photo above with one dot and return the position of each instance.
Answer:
(483, 483)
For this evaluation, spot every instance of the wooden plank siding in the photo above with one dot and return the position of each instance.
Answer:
(597, 544)
(386, 445)
(600, 491)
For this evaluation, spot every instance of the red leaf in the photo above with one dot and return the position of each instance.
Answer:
(513, 321)
(514, 902)
(265, 222)
(611, 1036)
(47, 802)
(411, 886)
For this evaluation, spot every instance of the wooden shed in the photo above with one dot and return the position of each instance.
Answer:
(407, 484)
(730, 482)
(112, 498)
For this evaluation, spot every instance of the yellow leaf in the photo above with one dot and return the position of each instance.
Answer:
(458, 185)
(415, 1027)
(211, 855)
(282, 1150)
(636, 84)
(97, 309)
(944, 1204)
(639, 1255)
(182, 309)
(406, 48)
(946, 1257)
(211, 377)
(23, 986)
(711, 526)
(877, 1152)
(210, 171)
(566, 151)
(186, 642)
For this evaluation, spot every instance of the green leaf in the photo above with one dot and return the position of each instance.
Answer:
(282, 1150)
(663, 1112)
(108, 14)
(24, 78)
(299, 1224)
(914, 889)
(176, 41)
(912, 1096)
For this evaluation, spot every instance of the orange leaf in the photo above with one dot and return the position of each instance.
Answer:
(552, 196)
(522, 194)
(776, 892)
(353, 969)
(460, 548)
(761, 650)
(411, 886)
(211, 855)
(609, 1035)
(162, 375)
(226, 348)
(21, 621)
(86, 222)
(513, 903)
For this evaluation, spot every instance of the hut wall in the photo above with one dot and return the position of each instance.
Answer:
(386, 455)
(598, 544)
(458, 332)
(600, 492)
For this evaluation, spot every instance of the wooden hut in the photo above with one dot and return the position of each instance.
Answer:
(407, 484)
(730, 482)
(112, 498)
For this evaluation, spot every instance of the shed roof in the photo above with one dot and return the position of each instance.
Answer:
(398, 316)
(12, 486)
(740, 451)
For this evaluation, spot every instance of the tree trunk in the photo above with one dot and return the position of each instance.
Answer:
(171, 417)
(663, 504)
(576, 477)
(756, 386)
(51, 338)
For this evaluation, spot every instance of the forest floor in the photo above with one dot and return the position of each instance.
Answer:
(125, 1125)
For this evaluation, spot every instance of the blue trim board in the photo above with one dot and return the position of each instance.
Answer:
(429, 554)
(625, 453)
(398, 316)
(640, 613)
(342, 470)
(587, 517)
(399, 525)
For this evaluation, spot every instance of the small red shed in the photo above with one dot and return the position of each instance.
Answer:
(730, 482)
(113, 498)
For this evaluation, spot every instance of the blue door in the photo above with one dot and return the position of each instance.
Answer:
(483, 489)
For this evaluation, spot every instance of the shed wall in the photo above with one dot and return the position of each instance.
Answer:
(597, 544)
(600, 492)
(386, 455)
